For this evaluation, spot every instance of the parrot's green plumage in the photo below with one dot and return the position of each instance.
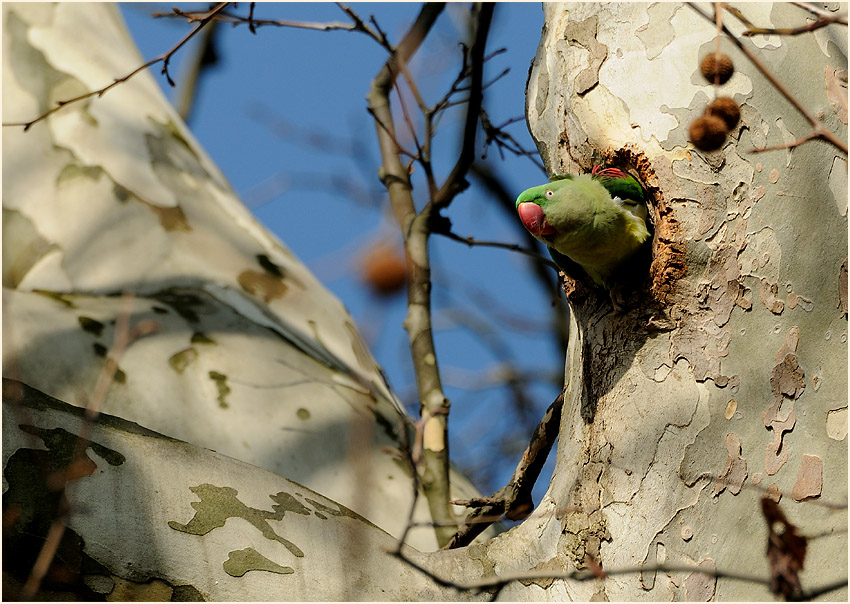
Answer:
(596, 220)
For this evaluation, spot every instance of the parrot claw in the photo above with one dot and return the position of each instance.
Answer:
(618, 299)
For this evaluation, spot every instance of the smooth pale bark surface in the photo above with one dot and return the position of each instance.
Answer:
(251, 356)
(737, 346)
(729, 374)
(161, 518)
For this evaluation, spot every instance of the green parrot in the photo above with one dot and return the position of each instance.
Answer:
(596, 221)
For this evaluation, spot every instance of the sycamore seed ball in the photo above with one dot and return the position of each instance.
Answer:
(708, 133)
(726, 109)
(717, 66)
(383, 270)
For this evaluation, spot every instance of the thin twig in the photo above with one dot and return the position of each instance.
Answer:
(791, 145)
(407, 120)
(203, 58)
(456, 181)
(514, 247)
(407, 453)
(811, 594)
(718, 23)
(500, 581)
(477, 502)
(378, 34)
(424, 149)
(164, 58)
(253, 24)
(443, 102)
(503, 140)
(814, 9)
(390, 131)
(47, 552)
(122, 338)
(754, 30)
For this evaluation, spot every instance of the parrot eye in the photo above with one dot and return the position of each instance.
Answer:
(549, 194)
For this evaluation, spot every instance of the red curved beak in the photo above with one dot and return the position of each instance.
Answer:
(534, 220)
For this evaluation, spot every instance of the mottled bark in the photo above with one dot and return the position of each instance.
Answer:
(721, 380)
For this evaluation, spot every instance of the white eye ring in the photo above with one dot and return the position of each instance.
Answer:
(549, 194)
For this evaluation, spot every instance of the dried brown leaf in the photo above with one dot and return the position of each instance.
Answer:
(786, 551)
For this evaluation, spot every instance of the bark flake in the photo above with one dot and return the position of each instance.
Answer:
(836, 423)
(699, 587)
(583, 34)
(240, 562)
(735, 470)
(809, 483)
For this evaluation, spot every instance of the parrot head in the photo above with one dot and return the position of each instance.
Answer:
(532, 216)
(596, 220)
(572, 202)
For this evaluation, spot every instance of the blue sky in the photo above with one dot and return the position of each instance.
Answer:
(255, 114)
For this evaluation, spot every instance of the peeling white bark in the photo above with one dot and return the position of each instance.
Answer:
(726, 378)
(251, 356)
(720, 397)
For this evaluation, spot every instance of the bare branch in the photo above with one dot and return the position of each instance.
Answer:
(504, 141)
(514, 499)
(791, 145)
(48, 550)
(809, 595)
(357, 24)
(754, 30)
(456, 182)
(410, 460)
(497, 583)
(378, 34)
(428, 134)
(408, 120)
(164, 58)
(390, 132)
(433, 403)
(444, 102)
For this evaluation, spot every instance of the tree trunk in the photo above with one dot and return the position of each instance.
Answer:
(724, 380)
(229, 344)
